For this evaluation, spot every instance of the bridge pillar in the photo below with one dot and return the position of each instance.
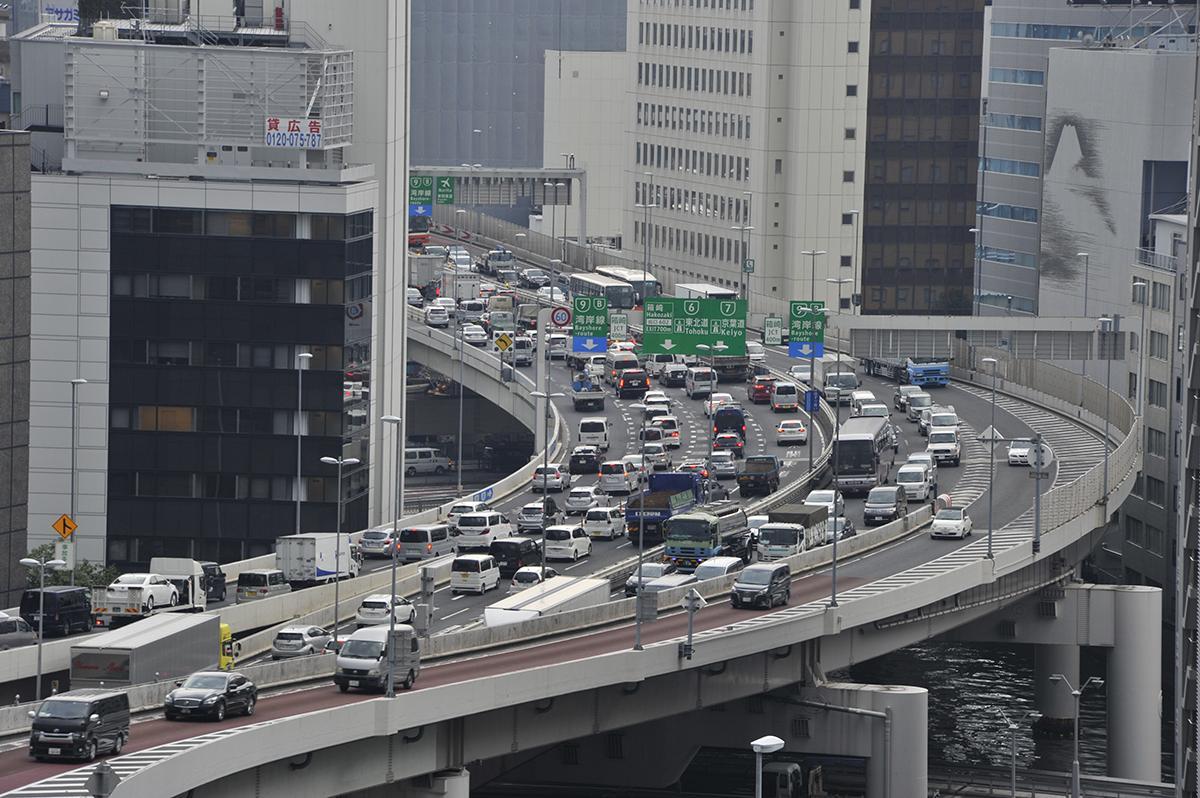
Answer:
(1053, 700)
(1134, 685)
(442, 784)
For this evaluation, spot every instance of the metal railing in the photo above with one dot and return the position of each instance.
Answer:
(995, 781)
(1156, 260)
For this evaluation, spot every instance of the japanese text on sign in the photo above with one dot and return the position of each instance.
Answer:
(679, 326)
(299, 134)
(807, 321)
(591, 317)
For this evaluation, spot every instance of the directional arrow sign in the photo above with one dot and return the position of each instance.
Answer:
(677, 326)
(445, 191)
(589, 328)
(805, 349)
(581, 343)
(420, 190)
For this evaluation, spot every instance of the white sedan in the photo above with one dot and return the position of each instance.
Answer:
(830, 499)
(374, 610)
(791, 431)
(474, 335)
(1021, 453)
(715, 401)
(551, 294)
(756, 352)
(155, 590)
(528, 576)
(952, 522)
(656, 399)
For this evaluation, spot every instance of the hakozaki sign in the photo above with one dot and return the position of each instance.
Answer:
(677, 326)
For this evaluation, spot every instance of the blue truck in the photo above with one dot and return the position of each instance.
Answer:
(717, 529)
(668, 494)
(924, 371)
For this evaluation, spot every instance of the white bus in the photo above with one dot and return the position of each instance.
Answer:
(618, 292)
(860, 447)
(703, 291)
(645, 285)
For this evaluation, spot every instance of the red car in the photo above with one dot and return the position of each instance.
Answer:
(730, 441)
(760, 390)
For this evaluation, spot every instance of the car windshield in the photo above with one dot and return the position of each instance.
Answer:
(708, 571)
(473, 520)
(527, 577)
(414, 535)
(842, 380)
(362, 649)
(777, 536)
(288, 636)
(875, 411)
(820, 497)
(205, 681)
(251, 580)
(942, 437)
(592, 426)
(918, 400)
(597, 515)
(130, 579)
(722, 458)
(755, 577)
(374, 605)
(552, 470)
(949, 515)
(375, 534)
(909, 477)
(884, 495)
(689, 529)
(653, 570)
(558, 534)
(943, 420)
(459, 509)
(57, 708)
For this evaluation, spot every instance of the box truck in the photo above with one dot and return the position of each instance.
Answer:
(314, 558)
(156, 649)
(557, 594)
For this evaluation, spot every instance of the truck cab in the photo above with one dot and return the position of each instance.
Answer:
(363, 662)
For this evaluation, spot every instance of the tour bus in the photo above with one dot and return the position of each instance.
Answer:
(703, 291)
(859, 449)
(645, 285)
(618, 292)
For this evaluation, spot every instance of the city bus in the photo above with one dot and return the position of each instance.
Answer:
(618, 293)
(645, 285)
(703, 291)
(859, 451)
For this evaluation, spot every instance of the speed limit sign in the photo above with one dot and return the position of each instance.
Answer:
(561, 316)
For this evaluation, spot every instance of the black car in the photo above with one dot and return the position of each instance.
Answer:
(79, 724)
(632, 382)
(673, 376)
(67, 609)
(211, 694)
(512, 554)
(584, 460)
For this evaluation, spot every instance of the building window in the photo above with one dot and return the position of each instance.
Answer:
(847, 218)
(999, 210)
(1156, 491)
(851, 133)
(1133, 386)
(1134, 531)
(1015, 122)
(852, 47)
(851, 90)
(847, 261)
(848, 176)
(855, 5)
(1156, 442)
(1160, 345)
(1027, 77)
(1012, 257)
(1161, 296)
(1156, 393)
(1008, 167)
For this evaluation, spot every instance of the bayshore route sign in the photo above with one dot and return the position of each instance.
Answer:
(675, 326)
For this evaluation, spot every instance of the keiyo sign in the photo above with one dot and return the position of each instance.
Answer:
(677, 326)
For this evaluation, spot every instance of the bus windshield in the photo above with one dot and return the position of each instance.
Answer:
(857, 457)
(689, 529)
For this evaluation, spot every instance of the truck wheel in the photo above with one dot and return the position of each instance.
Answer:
(408, 680)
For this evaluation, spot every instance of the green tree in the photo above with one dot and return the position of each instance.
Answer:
(87, 574)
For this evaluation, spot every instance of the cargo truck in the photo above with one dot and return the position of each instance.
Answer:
(495, 260)
(585, 394)
(923, 371)
(835, 378)
(718, 529)
(460, 284)
(669, 493)
(113, 608)
(313, 558)
(156, 649)
(791, 529)
(424, 272)
(557, 594)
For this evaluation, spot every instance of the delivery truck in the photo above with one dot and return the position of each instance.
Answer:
(115, 605)
(669, 493)
(791, 529)
(314, 558)
(156, 649)
(557, 594)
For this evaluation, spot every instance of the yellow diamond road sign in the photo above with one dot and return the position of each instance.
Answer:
(64, 526)
(503, 342)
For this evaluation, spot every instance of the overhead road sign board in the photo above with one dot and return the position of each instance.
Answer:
(420, 190)
(589, 331)
(675, 326)
(445, 190)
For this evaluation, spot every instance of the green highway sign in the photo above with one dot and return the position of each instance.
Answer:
(807, 321)
(676, 326)
(618, 325)
(420, 190)
(748, 266)
(445, 191)
(591, 317)
(772, 331)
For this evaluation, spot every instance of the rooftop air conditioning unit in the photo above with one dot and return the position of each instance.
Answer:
(104, 30)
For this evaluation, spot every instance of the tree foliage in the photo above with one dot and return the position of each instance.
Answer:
(87, 574)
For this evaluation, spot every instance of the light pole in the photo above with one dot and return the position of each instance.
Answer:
(812, 275)
(1107, 328)
(337, 554)
(833, 602)
(812, 358)
(743, 231)
(991, 454)
(1085, 257)
(397, 422)
(41, 565)
(1144, 286)
(856, 289)
(301, 359)
(710, 431)
(1013, 728)
(763, 745)
(545, 464)
(462, 229)
(75, 383)
(1076, 694)
(554, 216)
(554, 276)
(977, 232)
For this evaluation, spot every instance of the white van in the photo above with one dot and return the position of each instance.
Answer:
(619, 476)
(425, 460)
(604, 523)
(860, 398)
(593, 431)
(478, 530)
(594, 366)
(700, 381)
(616, 361)
(471, 310)
(916, 481)
(474, 573)
(656, 363)
(362, 660)
(522, 351)
(785, 396)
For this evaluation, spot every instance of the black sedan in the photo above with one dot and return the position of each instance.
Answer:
(584, 460)
(212, 695)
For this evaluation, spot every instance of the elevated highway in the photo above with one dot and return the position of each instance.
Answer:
(523, 694)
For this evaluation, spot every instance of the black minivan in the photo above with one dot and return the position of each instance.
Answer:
(763, 584)
(68, 609)
(513, 553)
(79, 724)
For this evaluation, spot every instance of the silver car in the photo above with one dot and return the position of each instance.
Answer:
(376, 543)
(724, 466)
(14, 632)
(299, 641)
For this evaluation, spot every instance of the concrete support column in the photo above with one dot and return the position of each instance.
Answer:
(894, 718)
(1134, 685)
(1052, 699)
(443, 784)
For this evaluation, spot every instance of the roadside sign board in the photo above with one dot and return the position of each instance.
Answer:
(420, 190)
(748, 266)
(618, 325)
(64, 526)
(503, 342)
(772, 331)
(484, 495)
(812, 400)
(417, 209)
(805, 349)
(445, 191)
(589, 332)
(806, 328)
(675, 326)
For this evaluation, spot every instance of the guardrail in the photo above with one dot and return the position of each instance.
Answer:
(991, 781)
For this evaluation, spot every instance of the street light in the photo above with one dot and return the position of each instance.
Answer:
(75, 383)
(763, 745)
(337, 553)
(1107, 328)
(856, 288)
(1013, 728)
(545, 464)
(1085, 257)
(1139, 283)
(41, 565)
(837, 431)
(812, 276)
(301, 359)
(396, 510)
(1076, 694)
(978, 233)
(991, 454)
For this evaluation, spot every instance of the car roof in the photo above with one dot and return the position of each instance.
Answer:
(473, 557)
(301, 629)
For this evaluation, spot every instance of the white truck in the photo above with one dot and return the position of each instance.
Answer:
(314, 558)
(791, 529)
(425, 270)
(557, 594)
(113, 607)
(586, 394)
(460, 284)
(152, 650)
(835, 378)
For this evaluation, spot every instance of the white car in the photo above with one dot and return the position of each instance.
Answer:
(619, 476)
(436, 316)
(671, 430)
(715, 401)
(800, 373)
(477, 531)
(528, 576)
(156, 590)
(461, 509)
(1021, 453)
(413, 297)
(830, 499)
(657, 456)
(552, 477)
(461, 260)
(604, 523)
(567, 542)
(531, 519)
(642, 466)
(581, 499)
(551, 294)
(474, 335)
(874, 410)
(447, 302)
(944, 445)
(952, 522)
(925, 459)
(374, 610)
(791, 431)
(756, 352)
(914, 478)
(656, 399)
